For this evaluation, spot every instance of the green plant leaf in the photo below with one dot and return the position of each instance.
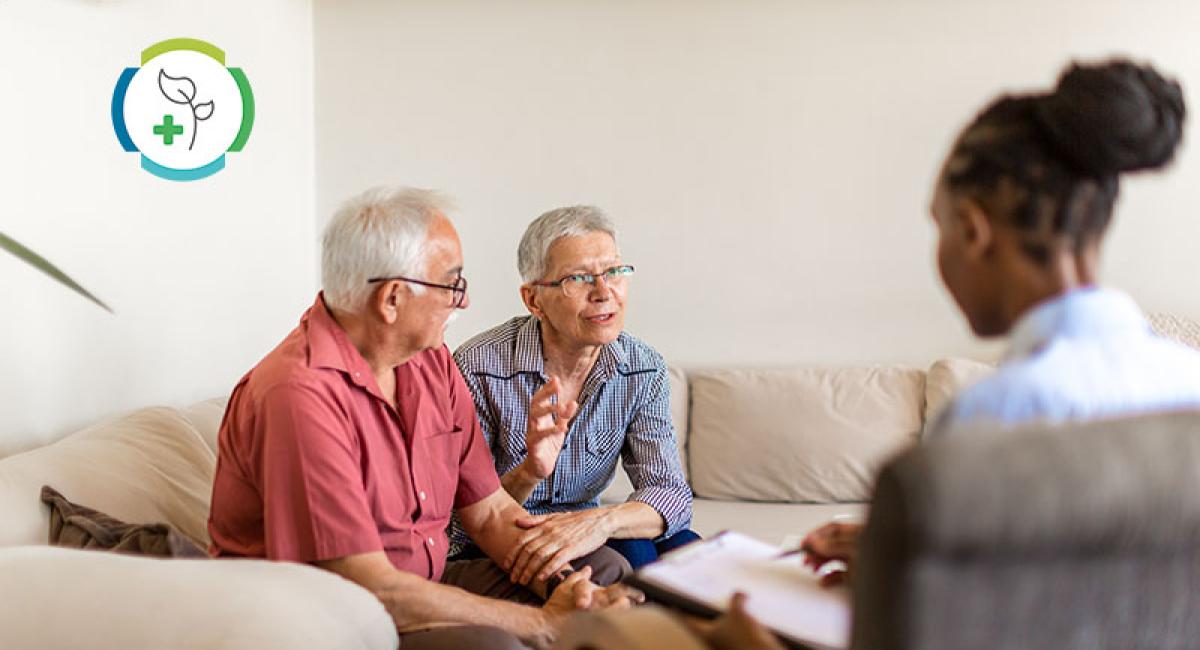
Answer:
(38, 262)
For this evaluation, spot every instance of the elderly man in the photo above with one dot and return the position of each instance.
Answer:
(564, 393)
(350, 443)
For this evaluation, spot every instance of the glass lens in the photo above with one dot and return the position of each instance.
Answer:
(577, 285)
(616, 277)
(459, 294)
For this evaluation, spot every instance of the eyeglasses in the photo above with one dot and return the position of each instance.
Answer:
(578, 284)
(458, 290)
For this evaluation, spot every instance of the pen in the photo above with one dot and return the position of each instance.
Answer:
(789, 552)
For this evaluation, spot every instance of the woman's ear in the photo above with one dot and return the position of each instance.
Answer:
(974, 228)
(529, 296)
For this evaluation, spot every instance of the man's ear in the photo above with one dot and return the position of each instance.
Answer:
(975, 228)
(529, 296)
(387, 301)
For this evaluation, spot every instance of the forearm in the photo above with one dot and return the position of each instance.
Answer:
(492, 524)
(414, 602)
(519, 483)
(415, 605)
(634, 520)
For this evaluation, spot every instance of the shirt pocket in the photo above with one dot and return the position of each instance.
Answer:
(603, 451)
(442, 454)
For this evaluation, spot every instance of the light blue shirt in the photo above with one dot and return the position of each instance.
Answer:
(1084, 355)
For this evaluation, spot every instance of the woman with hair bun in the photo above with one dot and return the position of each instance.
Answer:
(1021, 208)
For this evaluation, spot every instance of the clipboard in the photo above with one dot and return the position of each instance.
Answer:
(783, 595)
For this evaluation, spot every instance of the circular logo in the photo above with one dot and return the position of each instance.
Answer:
(183, 109)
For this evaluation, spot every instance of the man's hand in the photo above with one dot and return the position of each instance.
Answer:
(833, 541)
(551, 541)
(738, 630)
(578, 593)
(546, 429)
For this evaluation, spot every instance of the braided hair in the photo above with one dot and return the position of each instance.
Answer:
(1049, 164)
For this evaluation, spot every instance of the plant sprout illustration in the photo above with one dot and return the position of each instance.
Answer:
(182, 90)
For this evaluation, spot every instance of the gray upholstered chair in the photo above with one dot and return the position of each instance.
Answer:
(1085, 536)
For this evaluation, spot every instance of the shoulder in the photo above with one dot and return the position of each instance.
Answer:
(491, 350)
(1017, 391)
(640, 357)
(285, 371)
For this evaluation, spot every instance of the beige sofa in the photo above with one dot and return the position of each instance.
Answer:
(769, 452)
(776, 452)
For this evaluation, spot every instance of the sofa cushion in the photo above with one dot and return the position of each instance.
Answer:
(773, 523)
(947, 378)
(154, 465)
(799, 435)
(177, 603)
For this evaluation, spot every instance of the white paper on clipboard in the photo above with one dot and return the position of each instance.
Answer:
(782, 593)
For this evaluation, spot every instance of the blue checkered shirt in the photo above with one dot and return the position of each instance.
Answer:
(624, 412)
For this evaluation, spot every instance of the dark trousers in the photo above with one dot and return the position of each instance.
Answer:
(481, 576)
(640, 552)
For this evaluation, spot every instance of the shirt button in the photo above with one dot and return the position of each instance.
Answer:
(430, 540)
(422, 495)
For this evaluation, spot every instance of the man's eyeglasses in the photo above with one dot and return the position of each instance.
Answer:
(578, 284)
(458, 290)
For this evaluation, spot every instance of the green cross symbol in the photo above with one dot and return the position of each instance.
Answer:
(168, 130)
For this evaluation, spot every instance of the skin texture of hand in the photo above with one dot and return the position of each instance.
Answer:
(578, 593)
(833, 541)
(546, 428)
(738, 630)
(551, 541)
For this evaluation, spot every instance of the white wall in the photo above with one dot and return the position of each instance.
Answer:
(205, 277)
(769, 162)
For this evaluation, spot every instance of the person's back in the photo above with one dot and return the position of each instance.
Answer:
(1085, 355)
(1021, 206)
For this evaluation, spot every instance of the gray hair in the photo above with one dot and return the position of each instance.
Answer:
(573, 221)
(379, 233)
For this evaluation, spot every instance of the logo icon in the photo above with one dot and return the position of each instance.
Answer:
(183, 109)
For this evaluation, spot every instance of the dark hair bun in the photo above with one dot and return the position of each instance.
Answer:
(1113, 117)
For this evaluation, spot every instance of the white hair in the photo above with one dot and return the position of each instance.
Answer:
(379, 233)
(534, 249)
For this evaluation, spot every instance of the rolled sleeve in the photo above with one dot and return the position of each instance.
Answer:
(651, 458)
(314, 503)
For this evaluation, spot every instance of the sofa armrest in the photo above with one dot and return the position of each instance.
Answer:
(65, 598)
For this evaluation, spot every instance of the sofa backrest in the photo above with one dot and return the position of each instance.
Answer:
(1084, 536)
(806, 435)
(771, 435)
(799, 435)
(153, 465)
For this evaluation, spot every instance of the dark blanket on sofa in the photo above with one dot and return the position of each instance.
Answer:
(76, 526)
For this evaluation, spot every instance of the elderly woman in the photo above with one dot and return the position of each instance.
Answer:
(564, 392)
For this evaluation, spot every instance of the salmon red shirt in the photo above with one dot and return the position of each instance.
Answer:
(313, 464)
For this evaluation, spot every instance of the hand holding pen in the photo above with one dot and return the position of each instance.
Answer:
(835, 542)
